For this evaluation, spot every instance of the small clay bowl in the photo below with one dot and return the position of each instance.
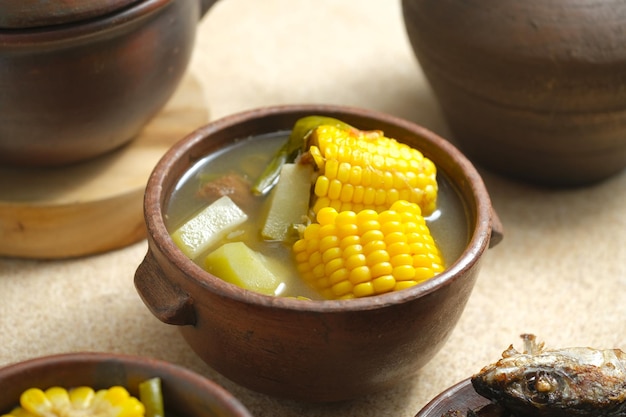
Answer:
(185, 393)
(534, 90)
(74, 90)
(305, 349)
(461, 397)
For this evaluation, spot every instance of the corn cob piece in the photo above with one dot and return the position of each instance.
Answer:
(366, 170)
(350, 255)
(77, 402)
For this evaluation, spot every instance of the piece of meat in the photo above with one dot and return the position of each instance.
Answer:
(232, 185)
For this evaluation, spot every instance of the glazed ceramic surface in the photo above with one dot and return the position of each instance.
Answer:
(72, 92)
(303, 349)
(20, 14)
(535, 90)
(185, 393)
(461, 397)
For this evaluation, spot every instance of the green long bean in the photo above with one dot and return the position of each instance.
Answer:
(295, 145)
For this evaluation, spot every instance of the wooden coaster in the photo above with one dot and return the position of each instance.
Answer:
(97, 205)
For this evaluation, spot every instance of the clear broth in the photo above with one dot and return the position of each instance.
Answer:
(248, 157)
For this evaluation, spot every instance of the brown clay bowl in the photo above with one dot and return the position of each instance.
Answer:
(74, 91)
(185, 393)
(534, 90)
(461, 397)
(304, 349)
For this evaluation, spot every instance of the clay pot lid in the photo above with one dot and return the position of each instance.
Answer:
(23, 14)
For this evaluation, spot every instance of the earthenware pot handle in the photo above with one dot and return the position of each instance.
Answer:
(167, 302)
(497, 230)
(205, 5)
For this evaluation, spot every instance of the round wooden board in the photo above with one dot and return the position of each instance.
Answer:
(97, 205)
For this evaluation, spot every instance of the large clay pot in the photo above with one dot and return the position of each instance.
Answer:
(534, 89)
(75, 89)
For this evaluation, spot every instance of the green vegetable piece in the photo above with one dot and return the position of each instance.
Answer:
(208, 226)
(151, 396)
(291, 149)
(288, 201)
(236, 263)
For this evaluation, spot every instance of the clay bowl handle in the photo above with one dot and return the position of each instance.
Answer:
(168, 303)
(497, 230)
(205, 5)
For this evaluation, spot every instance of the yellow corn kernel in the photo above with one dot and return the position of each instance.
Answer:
(369, 170)
(367, 253)
(18, 412)
(81, 397)
(77, 402)
(36, 402)
(364, 289)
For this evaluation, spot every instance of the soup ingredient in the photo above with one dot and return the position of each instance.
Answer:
(233, 185)
(349, 255)
(151, 396)
(364, 169)
(295, 145)
(288, 201)
(236, 263)
(208, 226)
(78, 402)
(578, 381)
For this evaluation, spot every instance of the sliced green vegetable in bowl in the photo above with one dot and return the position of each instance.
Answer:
(288, 201)
(208, 226)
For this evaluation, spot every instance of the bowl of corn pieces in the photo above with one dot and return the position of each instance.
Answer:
(110, 385)
(320, 273)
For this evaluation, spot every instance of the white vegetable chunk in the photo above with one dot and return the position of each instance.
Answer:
(236, 263)
(289, 201)
(208, 226)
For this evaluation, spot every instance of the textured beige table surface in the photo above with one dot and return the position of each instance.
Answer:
(560, 272)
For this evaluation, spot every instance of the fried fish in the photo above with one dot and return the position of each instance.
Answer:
(570, 382)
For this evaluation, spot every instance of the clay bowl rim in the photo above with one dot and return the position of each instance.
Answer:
(460, 396)
(61, 15)
(183, 150)
(83, 28)
(162, 368)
